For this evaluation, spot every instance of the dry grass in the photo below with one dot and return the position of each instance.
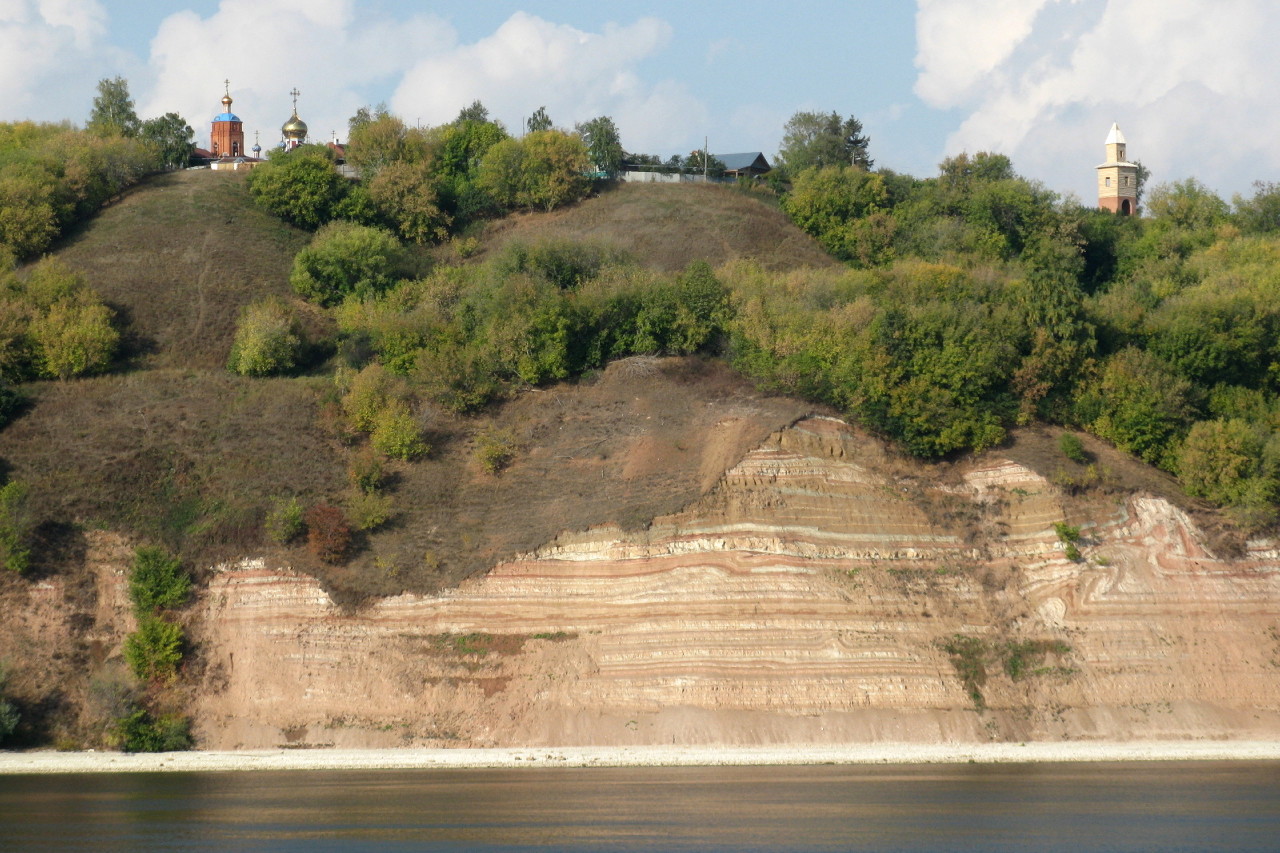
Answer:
(667, 226)
(178, 258)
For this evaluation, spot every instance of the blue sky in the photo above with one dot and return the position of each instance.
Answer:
(1190, 81)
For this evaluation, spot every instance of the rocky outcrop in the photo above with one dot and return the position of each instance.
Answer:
(814, 594)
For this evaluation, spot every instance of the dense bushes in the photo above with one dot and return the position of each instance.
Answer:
(345, 259)
(52, 325)
(52, 175)
(462, 336)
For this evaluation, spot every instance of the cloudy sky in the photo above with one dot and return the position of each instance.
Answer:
(1039, 80)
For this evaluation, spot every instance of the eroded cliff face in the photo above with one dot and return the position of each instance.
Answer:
(819, 592)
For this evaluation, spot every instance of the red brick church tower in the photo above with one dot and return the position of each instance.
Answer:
(227, 135)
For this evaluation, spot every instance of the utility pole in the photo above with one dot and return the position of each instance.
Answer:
(706, 158)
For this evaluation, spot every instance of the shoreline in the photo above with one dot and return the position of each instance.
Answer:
(46, 762)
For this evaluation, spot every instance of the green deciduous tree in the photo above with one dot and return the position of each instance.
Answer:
(1144, 406)
(172, 137)
(74, 339)
(545, 170)
(604, 145)
(346, 259)
(405, 195)
(302, 186)
(113, 112)
(844, 208)
(1186, 204)
(267, 341)
(154, 651)
(157, 581)
(382, 140)
(822, 139)
(142, 731)
(538, 121)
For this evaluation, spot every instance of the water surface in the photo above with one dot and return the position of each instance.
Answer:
(1170, 806)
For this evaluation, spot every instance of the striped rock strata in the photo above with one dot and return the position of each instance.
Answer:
(811, 596)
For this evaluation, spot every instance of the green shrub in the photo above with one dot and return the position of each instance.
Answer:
(1066, 532)
(302, 186)
(267, 340)
(1072, 448)
(157, 581)
(10, 400)
(369, 510)
(345, 259)
(397, 434)
(366, 471)
(284, 522)
(328, 533)
(495, 448)
(141, 731)
(73, 339)
(16, 527)
(154, 651)
(368, 393)
(9, 716)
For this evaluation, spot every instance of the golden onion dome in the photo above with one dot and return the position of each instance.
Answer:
(226, 102)
(294, 128)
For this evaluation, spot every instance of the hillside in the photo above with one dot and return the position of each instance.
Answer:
(671, 554)
(666, 226)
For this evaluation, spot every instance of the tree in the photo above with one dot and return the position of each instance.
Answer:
(475, 112)
(343, 259)
(113, 112)
(366, 114)
(1218, 460)
(544, 170)
(404, 194)
(538, 121)
(267, 340)
(173, 138)
(74, 339)
(843, 208)
(604, 146)
(301, 186)
(700, 162)
(157, 581)
(381, 141)
(1187, 204)
(1144, 406)
(154, 651)
(817, 139)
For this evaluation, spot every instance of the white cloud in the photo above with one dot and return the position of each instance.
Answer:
(529, 62)
(1188, 80)
(51, 55)
(267, 47)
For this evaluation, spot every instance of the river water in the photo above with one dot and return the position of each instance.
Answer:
(1167, 806)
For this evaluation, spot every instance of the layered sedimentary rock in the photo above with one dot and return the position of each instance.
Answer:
(815, 594)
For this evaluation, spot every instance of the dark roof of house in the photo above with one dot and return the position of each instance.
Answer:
(746, 160)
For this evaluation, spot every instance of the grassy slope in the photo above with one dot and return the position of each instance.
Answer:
(666, 226)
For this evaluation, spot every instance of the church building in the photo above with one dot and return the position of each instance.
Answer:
(227, 136)
(294, 131)
(1118, 178)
